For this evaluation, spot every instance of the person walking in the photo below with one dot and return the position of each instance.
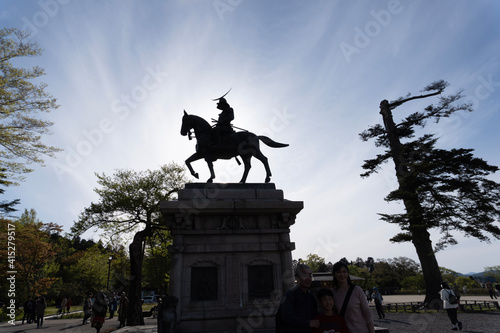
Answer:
(69, 303)
(377, 297)
(491, 290)
(63, 305)
(27, 310)
(113, 305)
(87, 308)
(450, 304)
(40, 307)
(99, 308)
(123, 310)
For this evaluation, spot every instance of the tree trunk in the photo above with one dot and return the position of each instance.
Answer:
(419, 235)
(135, 300)
(430, 268)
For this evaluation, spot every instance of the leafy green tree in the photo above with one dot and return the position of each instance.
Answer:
(448, 275)
(383, 275)
(415, 282)
(128, 203)
(359, 262)
(316, 263)
(6, 207)
(21, 100)
(35, 252)
(492, 271)
(390, 273)
(157, 262)
(364, 273)
(90, 268)
(462, 281)
(404, 267)
(447, 190)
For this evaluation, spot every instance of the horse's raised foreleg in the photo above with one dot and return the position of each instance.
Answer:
(247, 165)
(263, 159)
(211, 168)
(192, 158)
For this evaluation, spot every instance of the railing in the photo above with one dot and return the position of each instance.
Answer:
(470, 305)
(465, 305)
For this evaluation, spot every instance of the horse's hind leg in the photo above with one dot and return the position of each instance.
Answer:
(211, 168)
(258, 155)
(247, 165)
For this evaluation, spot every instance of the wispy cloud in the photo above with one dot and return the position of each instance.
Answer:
(123, 71)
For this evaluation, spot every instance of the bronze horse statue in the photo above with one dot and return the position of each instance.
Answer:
(244, 144)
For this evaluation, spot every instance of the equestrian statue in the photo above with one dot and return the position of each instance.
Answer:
(222, 142)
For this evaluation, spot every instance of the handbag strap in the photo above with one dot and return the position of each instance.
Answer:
(346, 300)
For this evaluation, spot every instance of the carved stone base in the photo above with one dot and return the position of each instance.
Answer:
(231, 255)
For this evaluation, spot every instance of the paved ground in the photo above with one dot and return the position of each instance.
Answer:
(74, 325)
(486, 322)
(477, 322)
(420, 298)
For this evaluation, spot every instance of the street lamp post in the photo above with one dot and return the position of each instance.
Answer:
(109, 270)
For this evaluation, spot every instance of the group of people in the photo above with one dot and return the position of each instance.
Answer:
(343, 308)
(66, 305)
(34, 310)
(94, 308)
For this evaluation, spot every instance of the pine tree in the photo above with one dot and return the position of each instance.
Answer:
(447, 190)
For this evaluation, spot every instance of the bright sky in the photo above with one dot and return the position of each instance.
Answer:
(307, 73)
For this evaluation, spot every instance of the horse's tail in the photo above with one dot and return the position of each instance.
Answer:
(271, 143)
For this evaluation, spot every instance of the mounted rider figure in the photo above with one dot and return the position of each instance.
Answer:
(223, 129)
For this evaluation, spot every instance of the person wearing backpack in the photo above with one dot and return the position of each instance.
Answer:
(300, 307)
(450, 304)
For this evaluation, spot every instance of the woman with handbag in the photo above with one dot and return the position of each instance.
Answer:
(450, 304)
(350, 301)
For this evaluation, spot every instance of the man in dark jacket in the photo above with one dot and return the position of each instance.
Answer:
(299, 307)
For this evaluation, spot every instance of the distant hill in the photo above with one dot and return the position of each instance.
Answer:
(479, 277)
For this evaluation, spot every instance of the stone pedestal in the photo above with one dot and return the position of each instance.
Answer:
(231, 254)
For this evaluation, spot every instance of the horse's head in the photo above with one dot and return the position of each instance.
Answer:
(194, 122)
(186, 124)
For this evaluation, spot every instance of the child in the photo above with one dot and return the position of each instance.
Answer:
(329, 322)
